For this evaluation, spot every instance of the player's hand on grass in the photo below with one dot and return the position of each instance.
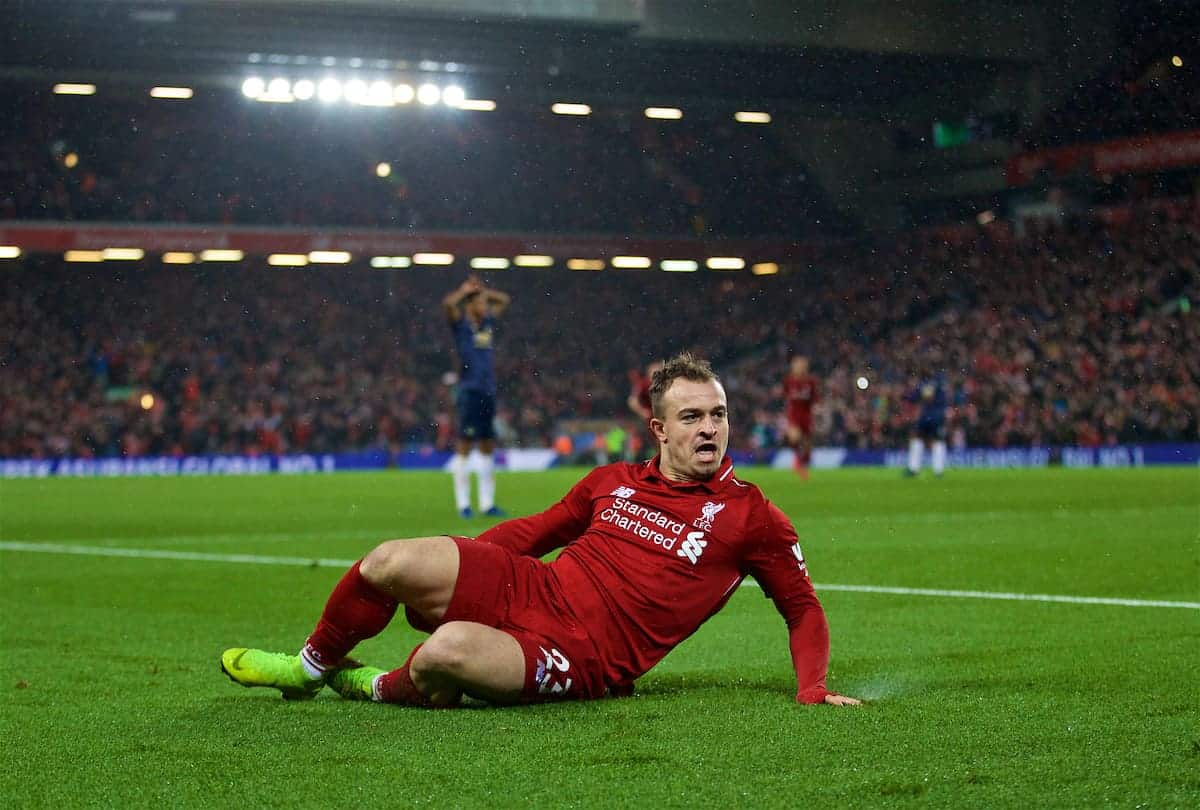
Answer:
(834, 699)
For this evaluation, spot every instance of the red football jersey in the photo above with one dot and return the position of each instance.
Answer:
(647, 560)
(801, 393)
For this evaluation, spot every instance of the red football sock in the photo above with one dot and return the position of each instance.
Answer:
(356, 611)
(397, 686)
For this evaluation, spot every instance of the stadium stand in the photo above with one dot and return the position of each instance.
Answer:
(1077, 334)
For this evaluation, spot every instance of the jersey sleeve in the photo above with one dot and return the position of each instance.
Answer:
(775, 560)
(538, 535)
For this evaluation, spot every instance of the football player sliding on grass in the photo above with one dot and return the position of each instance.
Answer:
(649, 552)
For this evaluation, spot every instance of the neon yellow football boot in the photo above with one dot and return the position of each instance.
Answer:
(276, 670)
(353, 681)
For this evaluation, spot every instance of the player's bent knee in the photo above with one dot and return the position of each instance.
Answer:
(450, 648)
(394, 563)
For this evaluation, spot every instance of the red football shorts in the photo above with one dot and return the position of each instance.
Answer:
(520, 596)
(801, 420)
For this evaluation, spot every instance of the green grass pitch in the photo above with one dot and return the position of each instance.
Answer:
(111, 694)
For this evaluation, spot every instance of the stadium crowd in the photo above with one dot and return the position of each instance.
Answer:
(1080, 334)
(206, 160)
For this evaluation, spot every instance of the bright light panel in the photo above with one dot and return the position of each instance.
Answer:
(433, 258)
(765, 269)
(123, 254)
(533, 260)
(631, 262)
(69, 89)
(748, 117)
(403, 93)
(179, 257)
(585, 264)
(171, 92)
(329, 257)
(453, 96)
(481, 104)
(679, 265)
(221, 255)
(253, 87)
(666, 113)
(84, 255)
(304, 89)
(488, 263)
(389, 262)
(329, 90)
(725, 263)
(10, 252)
(428, 94)
(569, 108)
(287, 260)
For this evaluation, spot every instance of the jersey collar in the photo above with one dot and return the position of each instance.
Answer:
(720, 479)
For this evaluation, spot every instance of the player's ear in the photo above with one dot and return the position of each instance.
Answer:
(659, 428)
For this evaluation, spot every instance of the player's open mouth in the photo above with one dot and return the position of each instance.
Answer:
(707, 451)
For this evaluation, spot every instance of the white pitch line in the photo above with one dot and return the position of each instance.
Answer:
(324, 562)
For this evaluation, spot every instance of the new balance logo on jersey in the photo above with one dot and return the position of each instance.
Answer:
(624, 492)
(708, 513)
(693, 547)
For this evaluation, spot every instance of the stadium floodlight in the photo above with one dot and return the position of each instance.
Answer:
(585, 264)
(1177, 61)
(71, 160)
(287, 260)
(179, 257)
(489, 263)
(304, 89)
(379, 94)
(74, 89)
(219, 255)
(863, 383)
(433, 258)
(383, 169)
(279, 87)
(749, 117)
(355, 91)
(480, 104)
(453, 96)
(147, 402)
(428, 94)
(664, 113)
(533, 260)
(765, 269)
(329, 257)
(10, 252)
(171, 92)
(84, 256)
(329, 90)
(679, 265)
(403, 93)
(390, 262)
(631, 262)
(253, 87)
(570, 108)
(725, 263)
(123, 254)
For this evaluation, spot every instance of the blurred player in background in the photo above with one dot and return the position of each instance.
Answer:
(929, 427)
(639, 404)
(801, 391)
(649, 553)
(472, 310)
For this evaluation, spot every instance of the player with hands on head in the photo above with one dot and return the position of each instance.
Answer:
(472, 310)
(649, 552)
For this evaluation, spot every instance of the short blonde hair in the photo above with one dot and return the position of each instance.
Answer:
(683, 366)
